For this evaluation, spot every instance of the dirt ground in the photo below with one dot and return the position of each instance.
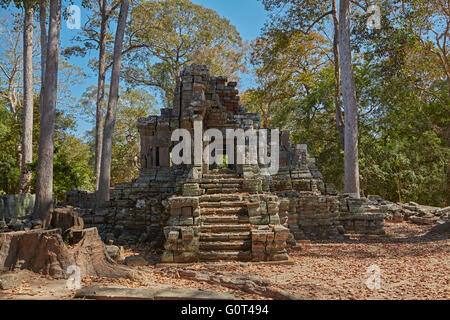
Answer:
(413, 263)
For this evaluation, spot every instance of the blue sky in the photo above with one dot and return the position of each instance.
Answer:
(247, 15)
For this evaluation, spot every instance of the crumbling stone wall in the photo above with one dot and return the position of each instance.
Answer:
(268, 235)
(182, 230)
(80, 199)
(318, 217)
(316, 210)
(360, 216)
(16, 206)
(137, 210)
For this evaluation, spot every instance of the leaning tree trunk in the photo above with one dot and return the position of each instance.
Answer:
(105, 171)
(351, 184)
(100, 95)
(340, 126)
(43, 36)
(44, 183)
(27, 123)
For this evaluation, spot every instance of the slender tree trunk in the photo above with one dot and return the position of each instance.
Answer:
(27, 123)
(448, 145)
(44, 183)
(19, 157)
(43, 36)
(14, 105)
(340, 126)
(100, 95)
(399, 192)
(448, 170)
(351, 184)
(105, 171)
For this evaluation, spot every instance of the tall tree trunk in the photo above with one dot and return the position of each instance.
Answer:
(448, 145)
(448, 169)
(43, 36)
(351, 184)
(105, 171)
(44, 183)
(27, 123)
(340, 126)
(100, 94)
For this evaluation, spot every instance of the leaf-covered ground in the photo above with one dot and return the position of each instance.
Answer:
(413, 264)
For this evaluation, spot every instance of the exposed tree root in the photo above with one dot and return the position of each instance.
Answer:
(253, 286)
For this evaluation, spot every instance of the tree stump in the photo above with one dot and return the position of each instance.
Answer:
(64, 218)
(41, 251)
(91, 257)
(45, 252)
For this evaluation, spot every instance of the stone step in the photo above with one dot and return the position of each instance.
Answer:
(220, 185)
(222, 190)
(223, 211)
(222, 170)
(225, 245)
(221, 228)
(227, 236)
(222, 176)
(220, 197)
(224, 204)
(225, 255)
(228, 180)
(225, 219)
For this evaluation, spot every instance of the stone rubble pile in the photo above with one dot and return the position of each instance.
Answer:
(60, 218)
(16, 224)
(411, 211)
(360, 216)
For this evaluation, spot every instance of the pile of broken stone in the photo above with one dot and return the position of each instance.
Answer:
(63, 218)
(16, 224)
(411, 212)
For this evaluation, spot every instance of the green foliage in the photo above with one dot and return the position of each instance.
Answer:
(401, 71)
(9, 140)
(68, 173)
(133, 104)
(171, 34)
(403, 99)
(71, 162)
(72, 166)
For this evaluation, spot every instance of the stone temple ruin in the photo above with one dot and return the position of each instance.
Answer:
(205, 213)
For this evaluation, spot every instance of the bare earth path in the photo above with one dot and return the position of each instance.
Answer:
(413, 264)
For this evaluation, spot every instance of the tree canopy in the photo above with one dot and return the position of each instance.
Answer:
(401, 84)
(165, 36)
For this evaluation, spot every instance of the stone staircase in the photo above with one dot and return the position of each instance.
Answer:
(216, 220)
(221, 181)
(224, 221)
